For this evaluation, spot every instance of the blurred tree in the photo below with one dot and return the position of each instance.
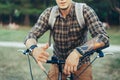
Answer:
(115, 4)
(6, 8)
(105, 9)
(29, 10)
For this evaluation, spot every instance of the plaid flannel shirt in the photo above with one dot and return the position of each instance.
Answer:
(67, 33)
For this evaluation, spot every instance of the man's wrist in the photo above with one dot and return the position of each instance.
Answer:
(32, 48)
(77, 53)
(79, 50)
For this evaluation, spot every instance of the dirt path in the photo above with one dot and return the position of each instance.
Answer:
(15, 44)
(112, 48)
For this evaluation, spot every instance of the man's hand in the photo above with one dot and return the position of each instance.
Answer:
(41, 55)
(72, 62)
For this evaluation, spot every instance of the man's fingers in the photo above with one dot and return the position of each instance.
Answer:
(46, 46)
(46, 54)
(71, 69)
(42, 60)
(41, 66)
(68, 70)
(65, 69)
(43, 57)
(74, 68)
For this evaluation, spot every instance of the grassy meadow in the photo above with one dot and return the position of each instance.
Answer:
(14, 65)
(20, 34)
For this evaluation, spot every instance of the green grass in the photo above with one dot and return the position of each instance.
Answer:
(12, 35)
(20, 34)
(14, 66)
(107, 68)
(114, 35)
(115, 68)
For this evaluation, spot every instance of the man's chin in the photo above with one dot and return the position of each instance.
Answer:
(64, 8)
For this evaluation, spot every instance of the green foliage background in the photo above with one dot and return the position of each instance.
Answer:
(20, 11)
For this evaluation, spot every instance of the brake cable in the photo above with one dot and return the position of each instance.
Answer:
(30, 67)
(87, 67)
(27, 52)
(100, 54)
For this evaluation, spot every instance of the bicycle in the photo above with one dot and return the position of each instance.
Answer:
(54, 60)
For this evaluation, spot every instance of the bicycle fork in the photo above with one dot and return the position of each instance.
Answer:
(60, 73)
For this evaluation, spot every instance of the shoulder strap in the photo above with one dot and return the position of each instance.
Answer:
(52, 17)
(79, 13)
(51, 21)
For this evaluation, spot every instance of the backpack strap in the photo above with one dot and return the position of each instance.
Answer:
(79, 13)
(51, 21)
(52, 16)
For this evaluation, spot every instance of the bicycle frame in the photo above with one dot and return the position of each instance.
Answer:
(54, 60)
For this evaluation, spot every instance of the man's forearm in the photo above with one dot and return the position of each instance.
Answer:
(30, 42)
(92, 44)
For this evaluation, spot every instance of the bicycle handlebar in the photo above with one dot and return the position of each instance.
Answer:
(54, 60)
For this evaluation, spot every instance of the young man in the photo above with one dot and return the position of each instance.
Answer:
(70, 39)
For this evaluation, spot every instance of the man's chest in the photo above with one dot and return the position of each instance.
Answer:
(66, 30)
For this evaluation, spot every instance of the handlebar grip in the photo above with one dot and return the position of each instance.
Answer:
(101, 54)
(99, 50)
(55, 60)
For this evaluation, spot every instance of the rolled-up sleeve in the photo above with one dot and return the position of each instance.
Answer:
(95, 26)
